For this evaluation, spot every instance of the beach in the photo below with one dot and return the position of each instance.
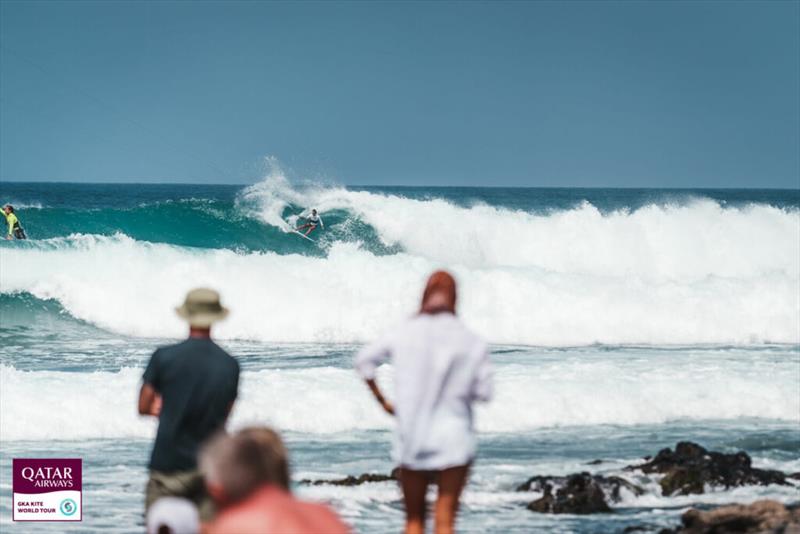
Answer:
(621, 321)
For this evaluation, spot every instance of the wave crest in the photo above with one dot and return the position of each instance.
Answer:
(674, 241)
(351, 295)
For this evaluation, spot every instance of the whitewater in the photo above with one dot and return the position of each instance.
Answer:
(697, 272)
(620, 322)
(554, 390)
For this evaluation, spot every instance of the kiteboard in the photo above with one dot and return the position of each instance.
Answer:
(302, 235)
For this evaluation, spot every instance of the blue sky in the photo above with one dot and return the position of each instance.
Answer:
(631, 94)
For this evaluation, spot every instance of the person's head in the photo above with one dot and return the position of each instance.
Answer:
(440, 294)
(313, 212)
(274, 453)
(8, 208)
(236, 465)
(173, 515)
(201, 308)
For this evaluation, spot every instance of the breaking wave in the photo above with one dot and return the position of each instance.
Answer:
(691, 272)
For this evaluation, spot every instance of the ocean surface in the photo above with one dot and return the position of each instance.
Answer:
(621, 321)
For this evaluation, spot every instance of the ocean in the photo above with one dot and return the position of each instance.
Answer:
(621, 321)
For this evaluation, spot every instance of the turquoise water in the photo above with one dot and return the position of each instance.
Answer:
(621, 321)
(213, 216)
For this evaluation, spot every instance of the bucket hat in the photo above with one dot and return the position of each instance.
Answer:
(202, 308)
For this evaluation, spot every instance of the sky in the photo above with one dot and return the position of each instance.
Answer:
(574, 94)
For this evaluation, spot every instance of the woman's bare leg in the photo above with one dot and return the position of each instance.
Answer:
(451, 482)
(415, 486)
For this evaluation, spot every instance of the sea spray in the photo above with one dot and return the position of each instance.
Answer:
(673, 241)
(660, 268)
(351, 295)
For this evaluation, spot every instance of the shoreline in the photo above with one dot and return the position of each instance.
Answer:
(118, 471)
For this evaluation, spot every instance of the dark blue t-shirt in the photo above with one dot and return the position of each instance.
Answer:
(197, 381)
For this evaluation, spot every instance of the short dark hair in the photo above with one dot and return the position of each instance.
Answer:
(10, 208)
(244, 461)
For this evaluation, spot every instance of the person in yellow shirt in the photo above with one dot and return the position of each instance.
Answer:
(14, 228)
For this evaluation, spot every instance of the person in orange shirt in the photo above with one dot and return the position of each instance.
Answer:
(247, 475)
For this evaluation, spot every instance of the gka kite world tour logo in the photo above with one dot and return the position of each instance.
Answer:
(47, 489)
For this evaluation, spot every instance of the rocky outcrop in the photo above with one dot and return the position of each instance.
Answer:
(353, 481)
(690, 467)
(765, 516)
(581, 493)
(610, 485)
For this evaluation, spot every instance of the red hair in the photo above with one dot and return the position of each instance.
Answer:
(440, 294)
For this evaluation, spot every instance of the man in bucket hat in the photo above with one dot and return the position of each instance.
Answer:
(191, 388)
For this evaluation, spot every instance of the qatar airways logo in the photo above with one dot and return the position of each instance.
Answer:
(49, 477)
(47, 489)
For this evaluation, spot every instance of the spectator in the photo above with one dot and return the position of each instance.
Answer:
(440, 369)
(248, 476)
(191, 388)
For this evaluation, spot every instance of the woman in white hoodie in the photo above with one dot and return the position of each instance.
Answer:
(440, 369)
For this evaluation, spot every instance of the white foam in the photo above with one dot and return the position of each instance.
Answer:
(652, 498)
(61, 405)
(327, 400)
(352, 295)
(25, 205)
(672, 242)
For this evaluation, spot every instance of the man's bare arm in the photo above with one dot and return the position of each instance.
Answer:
(149, 401)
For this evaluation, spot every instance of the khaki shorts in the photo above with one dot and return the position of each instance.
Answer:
(187, 484)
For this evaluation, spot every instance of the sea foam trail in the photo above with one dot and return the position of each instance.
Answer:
(674, 242)
(352, 295)
(325, 400)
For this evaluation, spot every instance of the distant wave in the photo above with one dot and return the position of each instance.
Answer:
(203, 223)
(675, 241)
(672, 238)
(689, 272)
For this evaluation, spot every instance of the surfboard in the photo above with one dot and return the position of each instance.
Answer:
(302, 235)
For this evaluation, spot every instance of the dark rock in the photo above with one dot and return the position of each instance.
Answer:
(636, 528)
(351, 480)
(544, 504)
(761, 516)
(611, 485)
(580, 494)
(690, 467)
(595, 462)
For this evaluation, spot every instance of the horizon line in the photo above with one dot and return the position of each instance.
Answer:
(245, 184)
